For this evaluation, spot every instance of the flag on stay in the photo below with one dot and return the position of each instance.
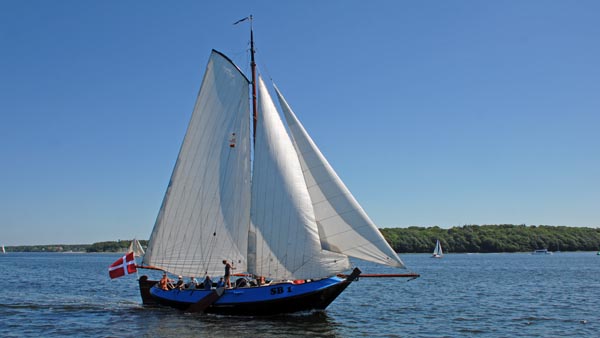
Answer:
(123, 266)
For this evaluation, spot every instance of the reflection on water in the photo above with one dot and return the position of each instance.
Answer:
(166, 322)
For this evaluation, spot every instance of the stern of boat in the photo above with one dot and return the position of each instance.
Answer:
(145, 285)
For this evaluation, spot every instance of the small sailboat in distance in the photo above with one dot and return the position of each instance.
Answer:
(136, 248)
(437, 251)
(3, 250)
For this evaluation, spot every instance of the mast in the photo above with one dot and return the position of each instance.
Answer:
(253, 68)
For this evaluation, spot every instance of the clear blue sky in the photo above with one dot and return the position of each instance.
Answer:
(433, 112)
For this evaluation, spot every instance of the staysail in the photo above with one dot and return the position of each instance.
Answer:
(287, 243)
(343, 225)
(204, 217)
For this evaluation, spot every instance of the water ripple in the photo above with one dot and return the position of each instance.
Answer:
(495, 295)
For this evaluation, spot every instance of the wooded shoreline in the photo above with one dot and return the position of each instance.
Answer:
(493, 238)
(464, 239)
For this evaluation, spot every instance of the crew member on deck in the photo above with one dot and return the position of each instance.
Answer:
(207, 283)
(228, 268)
(192, 284)
(180, 284)
(164, 282)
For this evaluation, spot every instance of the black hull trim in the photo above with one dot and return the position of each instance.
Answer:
(318, 300)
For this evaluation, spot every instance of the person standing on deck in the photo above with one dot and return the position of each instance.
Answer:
(228, 268)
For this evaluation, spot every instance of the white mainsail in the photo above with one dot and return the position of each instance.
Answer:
(343, 225)
(287, 239)
(204, 217)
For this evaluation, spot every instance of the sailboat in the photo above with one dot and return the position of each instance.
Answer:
(3, 250)
(265, 201)
(437, 251)
(136, 248)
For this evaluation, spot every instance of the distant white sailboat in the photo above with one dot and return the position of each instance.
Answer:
(437, 252)
(136, 248)
(3, 250)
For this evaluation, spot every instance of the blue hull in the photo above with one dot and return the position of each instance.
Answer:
(253, 301)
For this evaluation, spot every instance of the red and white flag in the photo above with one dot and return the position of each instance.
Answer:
(123, 266)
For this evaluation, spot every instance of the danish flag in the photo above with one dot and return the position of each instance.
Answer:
(123, 266)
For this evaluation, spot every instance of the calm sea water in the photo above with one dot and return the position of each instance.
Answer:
(485, 295)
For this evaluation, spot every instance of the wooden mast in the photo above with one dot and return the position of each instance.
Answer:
(253, 68)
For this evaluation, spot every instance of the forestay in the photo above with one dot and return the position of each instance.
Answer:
(343, 225)
(204, 217)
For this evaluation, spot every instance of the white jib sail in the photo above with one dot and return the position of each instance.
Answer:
(205, 214)
(343, 225)
(287, 239)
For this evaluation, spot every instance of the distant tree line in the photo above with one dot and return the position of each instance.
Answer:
(48, 248)
(110, 246)
(468, 238)
(493, 238)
